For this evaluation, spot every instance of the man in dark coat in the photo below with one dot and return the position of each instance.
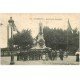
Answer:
(77, 56)
(61, 54)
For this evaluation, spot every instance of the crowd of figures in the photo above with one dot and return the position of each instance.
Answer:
(41, 55)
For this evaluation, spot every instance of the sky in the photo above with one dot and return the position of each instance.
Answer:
(31, 21)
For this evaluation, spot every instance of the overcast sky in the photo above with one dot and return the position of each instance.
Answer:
(31, 21)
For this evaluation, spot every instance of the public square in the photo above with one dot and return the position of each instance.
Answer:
(71, 60)
(48, 46)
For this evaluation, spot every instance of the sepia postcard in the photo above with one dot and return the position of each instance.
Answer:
(39, 38)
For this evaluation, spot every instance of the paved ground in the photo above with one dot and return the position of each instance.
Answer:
(67, 61)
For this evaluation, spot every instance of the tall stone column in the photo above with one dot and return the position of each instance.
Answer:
(7, 36)
(11, 25)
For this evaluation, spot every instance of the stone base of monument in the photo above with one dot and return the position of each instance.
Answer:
(41, 54)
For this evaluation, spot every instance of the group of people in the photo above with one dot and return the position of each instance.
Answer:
(59, 53)
(42, 55)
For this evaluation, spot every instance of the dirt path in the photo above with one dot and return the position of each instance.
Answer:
(67, 61)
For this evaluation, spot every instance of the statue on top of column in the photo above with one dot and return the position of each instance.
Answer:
(40, 29)
(11, 21)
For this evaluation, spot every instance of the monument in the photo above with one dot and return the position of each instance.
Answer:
(39, 50)
(40, 42)
(11, 25)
